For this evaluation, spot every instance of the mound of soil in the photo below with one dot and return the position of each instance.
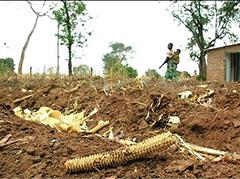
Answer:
(40, 151)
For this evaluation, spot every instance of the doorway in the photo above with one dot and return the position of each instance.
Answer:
(232, 67)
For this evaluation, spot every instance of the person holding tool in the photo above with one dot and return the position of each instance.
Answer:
(172, 61)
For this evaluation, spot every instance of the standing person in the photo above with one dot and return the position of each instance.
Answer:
(171, 73)
(170, 54)
(169, 60)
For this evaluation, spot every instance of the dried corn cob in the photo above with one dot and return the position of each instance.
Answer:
(122, 155)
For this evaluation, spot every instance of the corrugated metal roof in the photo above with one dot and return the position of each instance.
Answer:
(213, 48)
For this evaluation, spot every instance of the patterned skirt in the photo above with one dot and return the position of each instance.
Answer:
(171, 73)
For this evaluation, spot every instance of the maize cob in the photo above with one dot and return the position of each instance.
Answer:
(122, 155)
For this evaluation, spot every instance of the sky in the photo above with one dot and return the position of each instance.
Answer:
(144, 25)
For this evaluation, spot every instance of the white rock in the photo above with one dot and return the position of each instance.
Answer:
(174, 120)
(184, 94)
(24, 90)
(27, 111)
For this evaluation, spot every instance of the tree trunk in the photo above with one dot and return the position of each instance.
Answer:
(70, 42)
(30, 72)
(44, 69)
(203, 66)
(70, 60)
(58, 67)
(20, 65)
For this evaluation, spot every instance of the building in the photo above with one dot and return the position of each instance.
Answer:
(224, 63)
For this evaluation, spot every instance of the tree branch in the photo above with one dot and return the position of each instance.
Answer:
(43, 5)
(195, 18)
(39, 13)
(216, 20)
(198, 24)
(30, 4)
(50, 9)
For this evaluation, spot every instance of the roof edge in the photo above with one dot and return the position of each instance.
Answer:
(214, 48)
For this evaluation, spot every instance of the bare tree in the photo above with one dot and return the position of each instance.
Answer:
(58, 66)
(38, 14)
(58, 43)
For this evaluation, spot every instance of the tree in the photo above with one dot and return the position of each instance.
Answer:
(6, 65)
(129, 71)
(120, 50)
(58, 44)
(200, 17)
(38, 14)
(58, 56)
(111, 64)
(71, 17)
(152, 73)
(115, 62)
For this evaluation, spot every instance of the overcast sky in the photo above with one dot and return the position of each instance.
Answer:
(144, 25)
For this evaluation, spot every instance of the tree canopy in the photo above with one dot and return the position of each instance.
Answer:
(6, 65)
(115, 62)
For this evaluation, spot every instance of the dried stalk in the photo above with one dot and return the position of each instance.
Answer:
(188, 148)
(22, 99)
(206, 150)
(101, 124)
(73, 89)
(5, 139)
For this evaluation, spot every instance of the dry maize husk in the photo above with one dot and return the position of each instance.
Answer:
(54, 118)
(122, 155)
(101, 124)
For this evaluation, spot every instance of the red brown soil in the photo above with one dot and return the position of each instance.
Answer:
(46, 150)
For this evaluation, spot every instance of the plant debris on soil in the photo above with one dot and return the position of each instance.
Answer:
(135, 111)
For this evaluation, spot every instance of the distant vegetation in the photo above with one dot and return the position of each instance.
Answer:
(115, 62)
(6, 65)
(152, 73)
(83, 71)
(207, 22)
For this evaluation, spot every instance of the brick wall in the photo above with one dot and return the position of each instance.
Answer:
(215, 62)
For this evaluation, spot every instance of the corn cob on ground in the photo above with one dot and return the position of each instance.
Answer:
(122, 155)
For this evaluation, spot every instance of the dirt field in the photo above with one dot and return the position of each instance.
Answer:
(42, 151)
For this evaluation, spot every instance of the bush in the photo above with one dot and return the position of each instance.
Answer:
(152, 73)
